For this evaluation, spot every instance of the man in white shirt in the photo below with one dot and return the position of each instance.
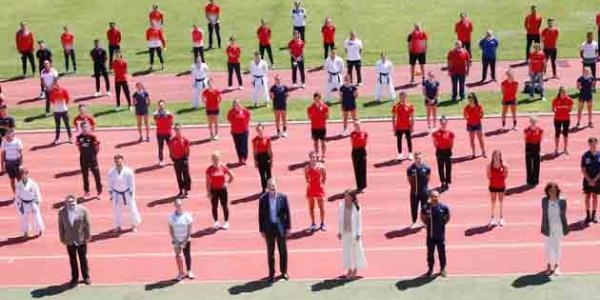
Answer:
(27, 200)
(260, 83)
(353, 47)
(385, 75)
(48, 76)
(180, 230)
(121, 186)
(299, 16)
(334, 66)
(12, 156)
(589, 53)
(199, 80)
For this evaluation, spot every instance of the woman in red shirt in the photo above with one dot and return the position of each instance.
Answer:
(473, 113)
(263, 155)
(403, 120)
(562, 106)
(318, 113)
(533, 136)
(233, 52)
(497, 171)
(328, 33)
(316, 176)
(509, 98)
(239, 119)
(359, 138)
(120, 70)
(212, 99)
(218, 178)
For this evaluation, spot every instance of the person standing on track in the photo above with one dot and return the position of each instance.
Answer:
(403, 121)
(27, 201)
(554, 226)
(350, 234)
(443, 140)
(318, 113)
(113, 35)
(141, 102)
(43, 54)
(463, 29)
(590, 168)
(259, 70)
(585, 85)
(180, 230)
(156, 17)
(59, 99)
(120, 69)
(67, 40)
(212, 12)
(212, 99)
(199, 72)
(533, 23)
(589, 53)
(82, 117)
(12, 157)
(353, 47)
(488, 45)
(279, 93)
(89, 146)
(239, 119)
(497, 171)
(218, 178)
(156, 42)
(316, 176)
(417, 50)
(334, 66)
(537, 65)
(75, 232)
(385, 78)
(549, 39)
(7, 122)
(473, 113)
(435, 216)
(562, 106)
(348, 94)
(25, 40)
(164, 125)
(299, 16)
(358, 140)
(121, 188)
(328, 34)
(533, 136)
(296, 46)
(48, 75)
(418, 178)
(431, 91)
(179, 151)
(233, 52)
(459, 65)
(197, 42)
(509, 98)
(264, 41)
(98, 56)
(263, 156)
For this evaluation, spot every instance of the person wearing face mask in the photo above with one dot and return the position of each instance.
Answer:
(75, 232)
(27, 200)
(121, 186)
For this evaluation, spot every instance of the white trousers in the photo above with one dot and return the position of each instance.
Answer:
(334, 82)
(119, 205)
(353, 252)
(384, 84)
(552, 245)
(31, 211)
(260, 87)
(198, 88)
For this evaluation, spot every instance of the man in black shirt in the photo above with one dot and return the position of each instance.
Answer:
(590, 167)
(43, 54)
(6, 122)
(88, 146)
(98, 55)
(435, 216)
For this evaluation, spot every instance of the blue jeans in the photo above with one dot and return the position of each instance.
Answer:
(458, 82)
(536, 79)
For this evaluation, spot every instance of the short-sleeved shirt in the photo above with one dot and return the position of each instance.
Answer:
(299, 16)
(497, 179)
(417, 40)
(261, 144)
(328, 33)
(537, 59)
(87, 144)
(120, 69)
(318, 113)
(347, 92)
(562, 107)
(212, 98)
(509, 90)
(354, 48)
(443, 139)
(458, 61)
(217, 176)
(419, 178)
(473, 114)
(12, 150)
(463, 30)
(6, 122)
(48, 77)
(533, 135)
(239, 120)
(403, 115)
(296, 47)
(279, 96)
(586, 84)
(142, 99)
(533, 24)
(264, 35)
(436, 216)
(164, 122)
(590, 50)
(549, 37)
(233, 54)
(180, 224)
(359, 139)
(591, 163)
(179, 147)
(431, 88)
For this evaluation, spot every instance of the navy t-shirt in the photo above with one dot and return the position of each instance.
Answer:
(6, 123)
(431, 88)
(419, 179)
(586, 87)
(348, 94)
(141, 102)
(279, 96)
(591, 163)
(436, 220)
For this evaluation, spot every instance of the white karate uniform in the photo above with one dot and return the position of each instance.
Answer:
(199, 82)
(385, 79)
(122, 192)
(553, 240)
(353, 250)
(334, 69)
(260, 82)
(27, 200)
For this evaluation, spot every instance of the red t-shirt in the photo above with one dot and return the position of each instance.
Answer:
(217, 176)
(537, 59)
(67, 40)
(509, 90)
(264, 35)
(261, 145)
(114, 37)
(164, 122)
(533, 23)
(120, 69)
(497, 179)
(296, 47)
(598, 20)
(239, 120)
(84, 118)
(212, 98)
(562, 107)
(212, 9)
(463, 30)
(417, 41)
(318, 115)
(402, 114)
(197, 35)
(533, 136)
(179, 147)
(458, 61)
(155, 16)
(24, 41)
(328, 33)
(473, 114)
(59, 94)
(359, 139)
(549, 37)
(233, 54)
(153, 34)
(443, 139)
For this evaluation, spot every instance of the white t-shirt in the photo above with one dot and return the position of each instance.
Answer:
(49, 77)
(11, 149)
(589, 49)
(299, 16)
(180, 224)
(353, 48)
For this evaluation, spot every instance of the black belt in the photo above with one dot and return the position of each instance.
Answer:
(201, 79)
(331, 74)
(122, 194)
(386, 75)
(259, 77)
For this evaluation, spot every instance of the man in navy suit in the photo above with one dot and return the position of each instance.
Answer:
(274, 223)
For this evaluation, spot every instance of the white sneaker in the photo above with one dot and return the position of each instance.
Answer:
(414, 226)
(230, 88)
(295, 85)
(118, 108)
(161, 163)
(400, 156)
(501, 223)
(96, 94)
(543, 98)
(284, 134)
(180, 277)
(313, 227)
(303, 86)
(42, 96)
(108, 94)
(411, 156)
(492, 222)
(226, 225)
(216, 225)
(344, 133)
(430, 130)
(216, 137)
(190, 275)
(240, 88)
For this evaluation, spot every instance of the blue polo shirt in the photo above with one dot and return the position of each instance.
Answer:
(585, 93)
(489, 47)
(419, 179)
(591, 163)
(436, 220)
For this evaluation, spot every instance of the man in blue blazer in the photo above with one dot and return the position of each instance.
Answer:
(274, 223)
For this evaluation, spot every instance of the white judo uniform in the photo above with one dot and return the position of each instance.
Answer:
(334, 68)
(27, 200)
(385, 79)
(199, 82)
(122, 192)
(260, 81)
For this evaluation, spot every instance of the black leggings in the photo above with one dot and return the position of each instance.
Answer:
(561, 127)
(301, 30)
(354, 64)
(64, 116)
(25, 56)
(240, 141)
(444, 163)
(416, 200)
(408, 135)
(100, 71)
(70, 54)
(326, 48)
(158, 51)
(86, 167)
(125, 86)
(551, 56)
(111, 52)
(182, 172)
(216, 197)
(217, 29)
(198, 52)
(263, 163)
(359, 162)
(262, 49)
(532, 163)
(297, 65)
(162, 140)
(234, 67)
(491, 63)
(530, 39)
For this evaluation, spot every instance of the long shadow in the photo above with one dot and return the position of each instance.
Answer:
(478, 230)
(147, 169)
(142, 52)
(416, 282)
(405, 86)
(204, 232)
(250, 287)
(234, 165)
(108, 234)
(335, 197)
(6, 202)
(300, 234)
(420, 135)
(30, 100)
(333, 103)
(402, 232)
(67, 174)
(334, 138)
(496, 132)
(578, 226)
(188, 110)
(160, 284)
(51, 290)
(200, 142)
(462, 159)
(105, 112)
(447, 103)
(294, 167)
(284, 48)
(389, 163)
(249, 198)
(80, 200)
(477, 83)
(227, 91)
(34, 118)
(330, 284)
(526, 101)
(142, 72)
(162, 201)
(577, 129)
(43, 147)
(376, 103)
(519, 64)
(530, 280)
(519, 189)
(15, 240)
(315, 69)
(14, 78)
(84, 98)
(549, 156)
(184, 73)
(252, 107)
(127, 144)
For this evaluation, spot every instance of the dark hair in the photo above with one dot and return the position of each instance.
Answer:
(592, 140)
(353, 198)
(550, 185)
(474, 97)
(118, 156)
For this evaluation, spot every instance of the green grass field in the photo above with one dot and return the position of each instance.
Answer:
(382, 24)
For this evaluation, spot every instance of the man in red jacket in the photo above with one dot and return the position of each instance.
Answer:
(114, 41)
(24, 41)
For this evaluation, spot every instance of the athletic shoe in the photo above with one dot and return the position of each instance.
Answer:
(87, 281)
(118, 108)
(134, 228)
(42, 96)
(344, 133)
(322, 227)
(295, 85)
(577, 125)
(414, 226)
(230, 88)
(313, 227)
(303, 86)
(412, 81)
(557, 272)
(140, 140)
(594, 219)
(129, 108)
(359, 84)
(492, 222)
(443, 273)
(400, 156)
(180, 277)
(87, 195)
(160, 163)
(501, 223)
(284, 134)
(108, 94)
(226, 225)
(70, 141)
(55, 142)
(411, 156)
(430, 130)
(190, 275)
(429, 272)
(543, 98)
(147, 139)
(590, 125)
(216, 225)
(97, 94)
(240, 88)
(285, 277)
(216, 137)
(47, 114)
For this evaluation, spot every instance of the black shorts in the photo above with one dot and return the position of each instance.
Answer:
(497, 189)
(211, 112)
(348, 106)
(141, 111)
(416, 57)
(318, 134)
(279, 105)
(12, 168)
(588, 189)
(473, 128)
(561, 127)
(509, 103)
(585, 98)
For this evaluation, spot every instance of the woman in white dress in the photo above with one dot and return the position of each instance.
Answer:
(554, 226)
(350, 233)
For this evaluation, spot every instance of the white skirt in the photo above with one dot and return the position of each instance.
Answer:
(353, 252)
